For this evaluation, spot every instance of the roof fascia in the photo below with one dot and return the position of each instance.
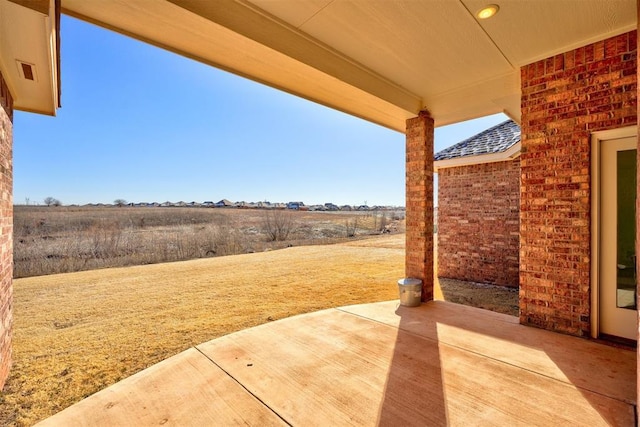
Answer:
(508, 154)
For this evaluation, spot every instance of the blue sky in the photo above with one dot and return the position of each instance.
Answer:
(142, 124)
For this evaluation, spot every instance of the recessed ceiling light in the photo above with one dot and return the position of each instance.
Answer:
(488, 11)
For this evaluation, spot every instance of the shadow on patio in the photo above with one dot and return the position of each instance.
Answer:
(377, 364)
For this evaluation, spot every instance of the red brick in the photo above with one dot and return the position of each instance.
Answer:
(6, 229)
(478, 222)
(419, 203)
(592, 92)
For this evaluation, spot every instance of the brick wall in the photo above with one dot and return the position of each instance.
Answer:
(6, 229)
(478, 229)
(419, 202)
(564, 99)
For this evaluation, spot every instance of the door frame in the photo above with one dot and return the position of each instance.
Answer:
(597, 138)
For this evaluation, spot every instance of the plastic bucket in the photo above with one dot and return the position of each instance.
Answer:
(410, 292)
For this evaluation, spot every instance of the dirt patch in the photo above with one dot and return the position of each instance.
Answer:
(500, 299)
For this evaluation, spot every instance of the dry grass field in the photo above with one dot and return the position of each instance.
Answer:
(77, 333)
(50, 240)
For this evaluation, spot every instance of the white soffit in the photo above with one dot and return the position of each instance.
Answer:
(28, 37)
(377, 59)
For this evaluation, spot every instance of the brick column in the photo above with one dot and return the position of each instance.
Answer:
(419, 202)
(6, 229)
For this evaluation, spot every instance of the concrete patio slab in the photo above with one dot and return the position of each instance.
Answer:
(378, 364)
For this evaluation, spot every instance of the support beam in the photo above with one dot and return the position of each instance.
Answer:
(249, 21)
(419, 202)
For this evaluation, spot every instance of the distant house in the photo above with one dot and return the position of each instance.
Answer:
(478, 207)
(224, 203)
(295, 205)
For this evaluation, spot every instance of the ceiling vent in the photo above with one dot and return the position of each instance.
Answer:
(27, 71)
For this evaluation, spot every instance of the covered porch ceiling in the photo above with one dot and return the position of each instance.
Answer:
(383, 61)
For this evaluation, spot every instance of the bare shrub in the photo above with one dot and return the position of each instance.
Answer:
(228, 241)
(383, 222)
(105, 240)
(397, 216)
(277, 224)
(351, 226)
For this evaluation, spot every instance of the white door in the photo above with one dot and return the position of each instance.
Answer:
(618, 305)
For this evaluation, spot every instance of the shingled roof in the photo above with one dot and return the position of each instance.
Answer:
(493, 140)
